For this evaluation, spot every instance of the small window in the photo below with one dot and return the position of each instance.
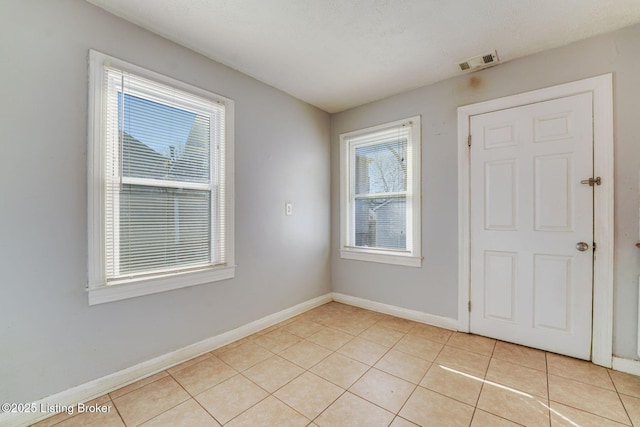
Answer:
(159, 183)
(380, 193)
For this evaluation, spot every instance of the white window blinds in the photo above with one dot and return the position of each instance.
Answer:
(164, 178)
(380, 198)
(381, 185)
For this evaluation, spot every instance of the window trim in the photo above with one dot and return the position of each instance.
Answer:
(410, 258)
(98, 290)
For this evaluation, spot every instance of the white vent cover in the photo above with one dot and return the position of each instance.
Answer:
(479, 61)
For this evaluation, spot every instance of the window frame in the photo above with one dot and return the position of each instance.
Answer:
(98, 288)
(412, 256)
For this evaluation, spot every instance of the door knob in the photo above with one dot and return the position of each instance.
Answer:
(582, 246)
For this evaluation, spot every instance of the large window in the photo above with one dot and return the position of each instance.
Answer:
(380, 193)
(159, 183)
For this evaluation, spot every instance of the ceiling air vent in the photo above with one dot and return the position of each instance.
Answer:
(479, 61)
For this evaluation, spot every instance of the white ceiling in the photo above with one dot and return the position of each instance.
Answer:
(338, 54)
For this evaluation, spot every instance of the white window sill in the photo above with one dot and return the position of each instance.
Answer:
(150, 285)
(382, 257)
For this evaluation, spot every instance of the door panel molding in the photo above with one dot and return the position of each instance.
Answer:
(601, 88)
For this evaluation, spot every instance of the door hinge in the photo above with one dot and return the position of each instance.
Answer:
(592, 181)
(594, 246)
(469, 140)
(469, 306)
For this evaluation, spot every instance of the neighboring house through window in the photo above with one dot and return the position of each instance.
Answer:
(380, 193)
(160, 205)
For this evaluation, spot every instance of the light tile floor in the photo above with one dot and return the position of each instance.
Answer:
(339, 365)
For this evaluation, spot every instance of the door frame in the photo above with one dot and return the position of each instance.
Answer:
(602, 89)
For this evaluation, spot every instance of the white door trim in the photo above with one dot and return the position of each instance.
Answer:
(601, 87)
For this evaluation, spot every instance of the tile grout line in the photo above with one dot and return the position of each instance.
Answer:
(191, 397)
(117, 411)
(347, 389)
(313, 373)
(137, 388)
(165, 411)
(305, 370)
(370, 367)
(546, 365)
(394, 347)
(589, 384)
(373, 367)
(415, 386)
(475, 406)
(422, 379)
(205, 410)
(620, 398)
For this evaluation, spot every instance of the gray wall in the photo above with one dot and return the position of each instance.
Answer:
(434, 287)
(50, 339)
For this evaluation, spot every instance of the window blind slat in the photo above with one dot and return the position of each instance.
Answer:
(395, 133)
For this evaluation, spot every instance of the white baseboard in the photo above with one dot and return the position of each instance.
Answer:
(404, 313)
(101, 386)
(629, 366)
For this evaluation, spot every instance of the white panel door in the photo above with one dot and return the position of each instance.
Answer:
(529, 282)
